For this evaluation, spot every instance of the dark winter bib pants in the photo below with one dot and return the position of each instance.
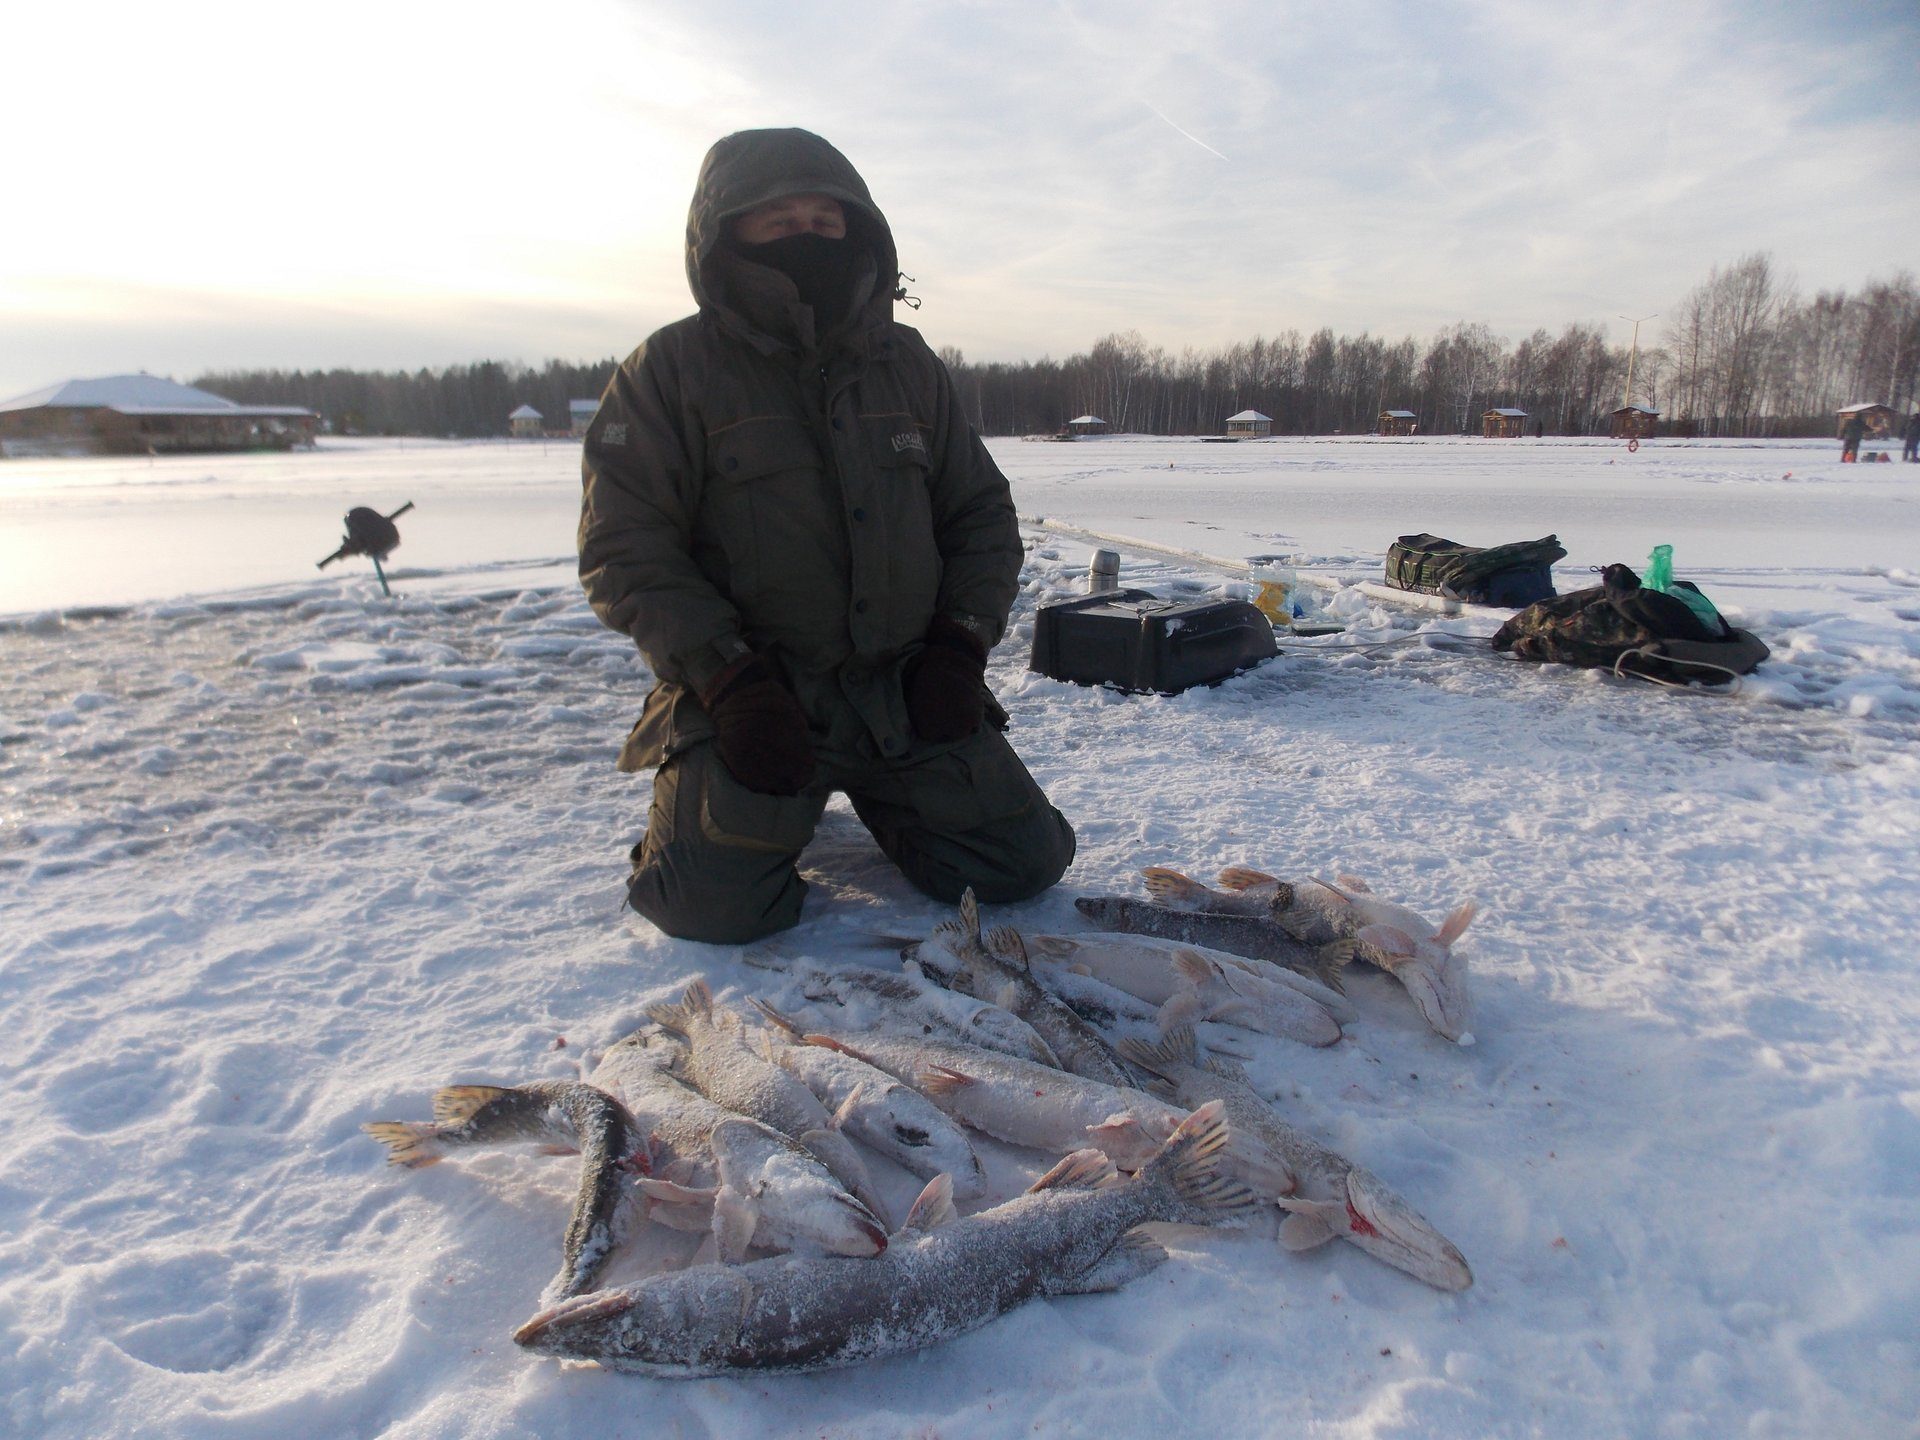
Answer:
(718, 862)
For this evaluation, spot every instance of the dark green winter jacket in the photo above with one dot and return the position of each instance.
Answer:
(818, 498)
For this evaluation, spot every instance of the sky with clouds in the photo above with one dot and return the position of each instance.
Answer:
(207, 185)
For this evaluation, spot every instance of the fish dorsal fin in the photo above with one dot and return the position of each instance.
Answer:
(1193, 968)
(1389, 942)
(848, 1107)
(774, 1017)
(1005, 942)
(933, 1207)
(1082, 1170)
(1455, 925)
(1170, 887)
(970, 915)
(1355, 884)
(1239, 877)
(1174, 1049)
(457, 1104)
(940, 1080)
(950, 929)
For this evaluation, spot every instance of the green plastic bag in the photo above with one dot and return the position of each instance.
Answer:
(1659, 574)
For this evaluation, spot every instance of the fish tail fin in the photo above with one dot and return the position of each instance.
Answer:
(1171, 888)
(1082, 1170)
(1175, 1048)
(695, 1003)
(1240, 877)
(455, 1105)
(412, 1144)
(1188, 1166)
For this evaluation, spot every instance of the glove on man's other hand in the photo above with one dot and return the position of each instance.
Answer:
(946, 683)
(762, 735)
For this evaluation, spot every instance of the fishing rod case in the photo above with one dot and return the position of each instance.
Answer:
(1623, 626)
(1137, 641)
(1507, 575)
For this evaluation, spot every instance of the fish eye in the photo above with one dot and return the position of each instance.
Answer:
(908, 1135)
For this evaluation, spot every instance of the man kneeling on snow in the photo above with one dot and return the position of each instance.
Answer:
(787, 510)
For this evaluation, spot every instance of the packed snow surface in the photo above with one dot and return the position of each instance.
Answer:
(279, 855)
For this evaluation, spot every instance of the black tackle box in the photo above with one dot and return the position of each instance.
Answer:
(1138, 641)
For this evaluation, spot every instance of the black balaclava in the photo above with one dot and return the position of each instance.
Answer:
(821, 267)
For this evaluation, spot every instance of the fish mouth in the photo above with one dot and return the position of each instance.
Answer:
(1390, 1230)
(569, 1314)
(866, 1237)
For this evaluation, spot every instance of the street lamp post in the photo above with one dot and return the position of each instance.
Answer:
(1633, 353)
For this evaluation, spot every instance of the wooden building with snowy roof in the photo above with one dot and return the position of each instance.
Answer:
(1249, 425)
(1634, 422)
(144, 415)
(1503, 422)
(1878, 418)
(580, 415)
(525, 422)
(1087, 425)
(1397, 422)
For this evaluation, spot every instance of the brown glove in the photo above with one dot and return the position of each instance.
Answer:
(762, 732)
(946, 683)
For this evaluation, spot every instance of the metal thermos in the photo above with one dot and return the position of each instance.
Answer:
(1103, 571)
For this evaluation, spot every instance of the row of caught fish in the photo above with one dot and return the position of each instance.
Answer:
(713, 1123)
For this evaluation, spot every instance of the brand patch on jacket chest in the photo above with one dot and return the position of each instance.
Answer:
(909, 440)
(613, 434)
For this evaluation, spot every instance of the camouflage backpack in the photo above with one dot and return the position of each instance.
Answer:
(1619, 624)
(1515, 574)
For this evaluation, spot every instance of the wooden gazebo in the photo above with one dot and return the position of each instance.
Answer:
(1634, 422)
(1879, 418)
(525, 422)
(1503, 423)
(1249, 424)
(1086, 425)
(1398, 422)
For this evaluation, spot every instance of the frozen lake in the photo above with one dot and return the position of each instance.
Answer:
(279, 856)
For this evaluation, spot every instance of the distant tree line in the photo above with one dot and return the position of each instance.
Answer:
(1742, 354)
(462, 401)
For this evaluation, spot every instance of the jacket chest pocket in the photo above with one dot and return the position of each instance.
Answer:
(765, 483)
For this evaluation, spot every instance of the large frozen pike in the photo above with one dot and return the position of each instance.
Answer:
(1330, 1196)
(1016, 1100)
(1399, 940)
(904, 1003)
(556, 1117)
(1246, 935)
(1072, 1233)
(995, 968)
(722, 1065)
(878, 1110)
(1188, 983)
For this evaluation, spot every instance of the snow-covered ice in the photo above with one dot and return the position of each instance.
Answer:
(279, 856)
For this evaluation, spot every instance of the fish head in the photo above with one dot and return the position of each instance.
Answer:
(797, 1202)
(1103, 910)
(937, 1144)
(1392, 1231)
(687, 1320)
(1432, 974)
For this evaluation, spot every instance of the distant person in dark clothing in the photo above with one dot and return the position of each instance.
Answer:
(1912, 450)
(1851, 434)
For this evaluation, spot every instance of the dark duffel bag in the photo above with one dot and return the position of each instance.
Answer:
(1619, 625)
(1509, 575)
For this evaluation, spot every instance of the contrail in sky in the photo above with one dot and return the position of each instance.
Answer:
(1196, 139)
